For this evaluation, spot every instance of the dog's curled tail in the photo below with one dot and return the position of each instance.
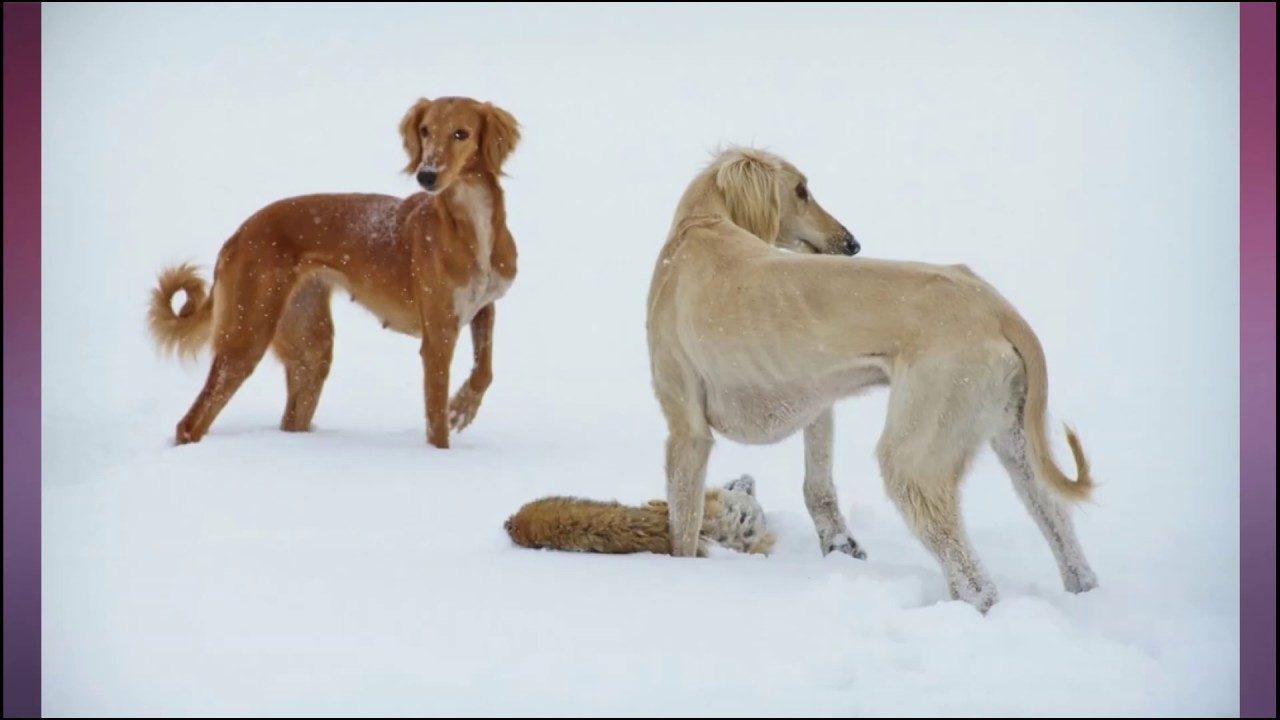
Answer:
(593, 526)
(1024, 340)
(187, 331)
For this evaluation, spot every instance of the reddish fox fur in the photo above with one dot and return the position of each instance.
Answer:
(732, 518)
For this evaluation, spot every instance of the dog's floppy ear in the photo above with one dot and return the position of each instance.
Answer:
(501, 135)
(410, 136)
(746, 484)
(752, 194)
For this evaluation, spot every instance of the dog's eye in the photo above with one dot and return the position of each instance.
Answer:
(461, 134)
(802, 193)
(424, 132)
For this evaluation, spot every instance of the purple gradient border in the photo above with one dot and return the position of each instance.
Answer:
(22, 359)
(1258, 360)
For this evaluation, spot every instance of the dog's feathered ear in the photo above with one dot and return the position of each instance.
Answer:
(746, 484)
(752, 194)
(501, 135)
(410, 135)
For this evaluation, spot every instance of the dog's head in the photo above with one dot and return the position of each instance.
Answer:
(452, 137)
(769, 197)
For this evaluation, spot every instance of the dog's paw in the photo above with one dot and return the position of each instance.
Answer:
(438, 440)
(184, 435)
(845, 544)
(1080, 581)
(463, 408)
(981, 598)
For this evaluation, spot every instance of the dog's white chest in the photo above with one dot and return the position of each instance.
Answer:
(486, 285)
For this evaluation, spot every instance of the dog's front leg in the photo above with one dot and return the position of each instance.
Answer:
(466, 402)
(439, 338)
(820, 489)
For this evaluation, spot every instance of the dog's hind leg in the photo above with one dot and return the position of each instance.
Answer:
(931, 435)
(687, 454)
(820, 489)
(688, 449)
(246, 311)
(1049, 513)
(304, 344)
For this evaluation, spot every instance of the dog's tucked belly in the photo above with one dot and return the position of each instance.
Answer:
(394, 306)
(401, 314)
(400, 317)
(759, 414)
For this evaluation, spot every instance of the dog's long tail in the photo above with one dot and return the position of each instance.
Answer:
(187, 331)
(593, 526)
(1024, 340)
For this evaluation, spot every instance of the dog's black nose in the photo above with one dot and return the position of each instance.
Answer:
(427, 179)
(851, 246)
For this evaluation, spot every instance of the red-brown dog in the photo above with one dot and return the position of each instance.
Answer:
(426, 266)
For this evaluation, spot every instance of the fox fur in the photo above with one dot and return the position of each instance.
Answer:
(732, 518)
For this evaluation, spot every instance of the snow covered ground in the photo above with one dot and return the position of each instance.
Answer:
(1082, 158)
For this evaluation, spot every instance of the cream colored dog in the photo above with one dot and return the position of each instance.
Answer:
(757, 344)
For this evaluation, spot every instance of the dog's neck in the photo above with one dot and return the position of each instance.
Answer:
(475, 201)
(701, 205)
(701, 201)
(464, 189)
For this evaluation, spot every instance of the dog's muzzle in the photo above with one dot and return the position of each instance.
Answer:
(849, 245)
(427, 179)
